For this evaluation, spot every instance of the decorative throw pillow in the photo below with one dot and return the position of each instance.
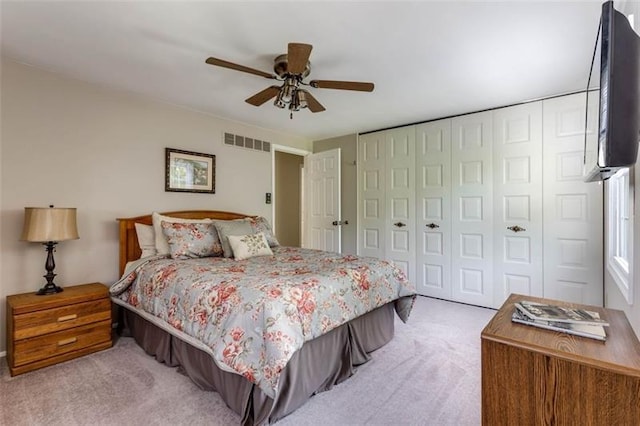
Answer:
(250, 245)
(192, 240)
(146, 240)
(162, 245)
(231, 227)
(261, 224)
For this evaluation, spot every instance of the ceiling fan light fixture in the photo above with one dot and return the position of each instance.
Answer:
(294, 105)
(279, 102)
(302, 98)
(288, 89)
(286, 94)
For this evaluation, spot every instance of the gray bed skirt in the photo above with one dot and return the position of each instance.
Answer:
(318, 366)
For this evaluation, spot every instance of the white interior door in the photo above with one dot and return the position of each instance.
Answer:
(371, 195)
(433, 209)
(323, 191)
(472, 209)
(573, 216)
(400, 198)
(517, 160)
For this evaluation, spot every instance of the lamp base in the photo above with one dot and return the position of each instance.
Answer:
(49, 288)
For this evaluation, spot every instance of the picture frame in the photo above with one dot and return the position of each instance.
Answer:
(187, 171)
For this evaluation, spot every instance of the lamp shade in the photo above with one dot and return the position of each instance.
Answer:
(43, 224)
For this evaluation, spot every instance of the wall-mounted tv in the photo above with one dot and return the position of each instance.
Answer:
(616, 59)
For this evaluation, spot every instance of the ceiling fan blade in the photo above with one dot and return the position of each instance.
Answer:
(342, 85)
(297, 57)
(312, 103)
(231, 65)
(263, 96)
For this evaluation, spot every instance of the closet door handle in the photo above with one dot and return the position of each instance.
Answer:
(516, 228)
(399, 224)
(432, 226)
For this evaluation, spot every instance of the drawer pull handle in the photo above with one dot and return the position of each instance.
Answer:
(67, 317)
(67, 341)
(432, 226)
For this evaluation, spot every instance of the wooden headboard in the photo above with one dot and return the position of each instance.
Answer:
(129, 248)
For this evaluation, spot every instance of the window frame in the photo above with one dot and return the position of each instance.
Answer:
(620, 212)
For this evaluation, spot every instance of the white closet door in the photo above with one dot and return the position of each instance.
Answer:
(400, 198)
(517, 160)
(433, 209)
(472, 209)
(573, 222)
(371, 195)
(323, 183)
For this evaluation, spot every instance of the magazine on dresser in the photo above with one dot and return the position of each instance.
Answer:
(555, 313)
(584, 330)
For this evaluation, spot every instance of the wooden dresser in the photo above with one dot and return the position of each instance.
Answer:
(46, 330)
(532, 376)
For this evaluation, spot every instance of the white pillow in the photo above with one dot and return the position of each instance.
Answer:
(246, 246)
(162, 245)
(146, 240)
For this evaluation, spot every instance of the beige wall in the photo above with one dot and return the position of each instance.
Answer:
(74, 144)
(287, 198)
(348, 145)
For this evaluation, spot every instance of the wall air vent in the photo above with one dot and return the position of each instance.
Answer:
(245, 142)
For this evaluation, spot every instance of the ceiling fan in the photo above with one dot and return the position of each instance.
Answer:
(291, 69)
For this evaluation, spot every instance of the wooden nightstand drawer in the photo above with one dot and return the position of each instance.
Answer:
(52, 320)
(53, 344)
(46, 330)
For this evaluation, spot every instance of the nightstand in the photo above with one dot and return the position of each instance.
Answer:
(532, 376)
(46, 330)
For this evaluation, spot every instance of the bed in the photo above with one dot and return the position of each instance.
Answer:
(288, 367)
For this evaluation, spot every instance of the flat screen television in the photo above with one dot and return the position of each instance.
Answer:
(616, 59)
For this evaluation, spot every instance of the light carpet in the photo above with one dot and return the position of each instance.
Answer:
(429, 374)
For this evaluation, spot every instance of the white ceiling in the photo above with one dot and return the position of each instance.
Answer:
(427, 59)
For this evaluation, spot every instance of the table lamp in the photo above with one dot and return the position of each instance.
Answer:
(49, 226)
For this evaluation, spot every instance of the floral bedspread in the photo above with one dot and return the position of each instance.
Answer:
(254, 314)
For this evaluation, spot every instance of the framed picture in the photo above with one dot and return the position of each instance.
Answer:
(189, 171)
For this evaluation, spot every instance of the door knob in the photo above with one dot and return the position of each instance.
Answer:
(432, 226)
(516, 228)
(399, 224)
